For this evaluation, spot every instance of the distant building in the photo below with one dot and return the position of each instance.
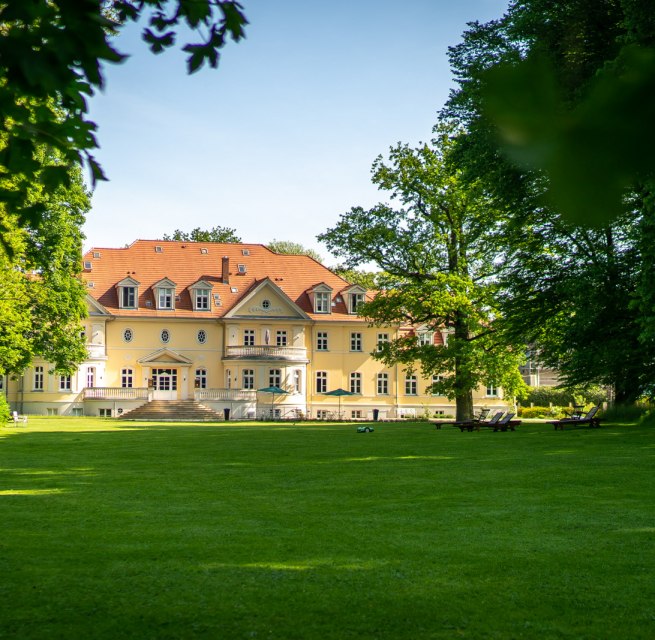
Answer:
(218, 322)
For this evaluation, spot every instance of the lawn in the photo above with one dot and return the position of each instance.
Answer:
(134, 530)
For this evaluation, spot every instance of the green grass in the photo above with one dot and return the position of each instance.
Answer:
(120, 530)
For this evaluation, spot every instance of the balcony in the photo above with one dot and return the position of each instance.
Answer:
(232, 395)
(266, 352)
(115, 393)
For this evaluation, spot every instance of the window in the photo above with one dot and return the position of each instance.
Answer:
(90, 377)
(77, 412)
(166, 297)
(202, 299)
(383, 384)
(201, 379)
(248, 378)
(356, 383)
(356, 414)
(127, 378)
(165, 336)
(38, 378)
(382, 339)
(274, 377)
(436, 380)
(322, 302)
(128, 297)
(356, 341)
(52, 411)
(228, 379)
(281, 338)
(128, 334)
(425, 337)
(201, 336)
(322, 341)
(410, 385)
(87, 265)
(297, 381)
(104, 413)
(249, 337)
(242, 268)
(64, 383)
(321, 381)
(492, 391)
(356, 299)
(322, 414)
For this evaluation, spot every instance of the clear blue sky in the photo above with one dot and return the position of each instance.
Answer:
(278, 141)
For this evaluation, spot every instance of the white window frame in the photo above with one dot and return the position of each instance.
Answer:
(321, 381)
(90, 377)
(356, 341)
(297, 381)
(356, 299)
(411, 385)
(39, 378)
(200, 381)
(65, 382)
(492, 391)
(382, 384)
(275, 378)
(248, 337)
(322, 341)
(355, 383)
(202, 299)
(322, 302)
(166, 298)
(129, 297)
(281, 339)
(127, 378)
(381, 338)
(248, 378)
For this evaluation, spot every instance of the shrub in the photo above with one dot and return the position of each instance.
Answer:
(627, 413)
(4, 409)
(541, 412)
(545, 396)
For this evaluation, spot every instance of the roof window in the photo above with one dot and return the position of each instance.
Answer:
(158, 249)
(87, 265)
(245, 252)
(242, 268)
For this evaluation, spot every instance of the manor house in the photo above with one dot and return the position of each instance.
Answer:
(218, 323)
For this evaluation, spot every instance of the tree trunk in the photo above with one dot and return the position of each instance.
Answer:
(463, 391)
(464, 406)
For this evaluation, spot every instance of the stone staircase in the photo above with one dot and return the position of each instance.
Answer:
(173, 411)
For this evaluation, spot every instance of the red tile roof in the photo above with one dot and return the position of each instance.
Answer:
(185, 263)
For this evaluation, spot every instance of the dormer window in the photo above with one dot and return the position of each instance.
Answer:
(356, 299)
(322, 298)
(322, 302)
(128, 293)
(165, 298)
(128, 297)
(165, 294)
(201, 293)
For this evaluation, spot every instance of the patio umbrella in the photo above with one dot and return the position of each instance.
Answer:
(339, 393)
(272, 391)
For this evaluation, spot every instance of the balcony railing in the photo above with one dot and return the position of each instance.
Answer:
(115, 393)
(233, 395)
(266, 352)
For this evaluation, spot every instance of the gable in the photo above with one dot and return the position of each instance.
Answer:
(165, 356)
(94, 308)
(266, 300)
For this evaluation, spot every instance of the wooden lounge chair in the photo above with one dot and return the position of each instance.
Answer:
(469, 425)
(589, 419)
(475, 420)
(507, 424)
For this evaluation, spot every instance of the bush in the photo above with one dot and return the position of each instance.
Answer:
(545, 396)
(541, 412)
(4, 410)
(627, 413)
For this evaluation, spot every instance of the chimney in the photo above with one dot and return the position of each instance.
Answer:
(225, 274)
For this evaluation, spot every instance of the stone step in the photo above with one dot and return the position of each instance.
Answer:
(173, 411)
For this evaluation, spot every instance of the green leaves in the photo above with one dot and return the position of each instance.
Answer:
(51, 57)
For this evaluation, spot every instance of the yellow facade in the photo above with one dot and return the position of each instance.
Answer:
(223, 355)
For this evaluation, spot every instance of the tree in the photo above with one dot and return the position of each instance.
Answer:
(539, 92)
(41, 294)
(50, 62)
(366, 279)
(292, 248)
(215, 234)
(437, 255)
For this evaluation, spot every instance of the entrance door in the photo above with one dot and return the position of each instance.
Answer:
(165, 384)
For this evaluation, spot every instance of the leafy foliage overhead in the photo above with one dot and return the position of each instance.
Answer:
(215, 234)
(51, 56)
